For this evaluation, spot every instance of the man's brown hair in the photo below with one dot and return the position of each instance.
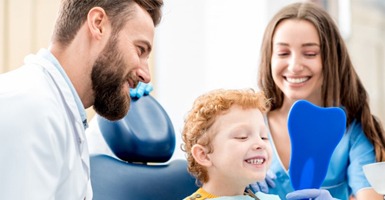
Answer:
(73, 13)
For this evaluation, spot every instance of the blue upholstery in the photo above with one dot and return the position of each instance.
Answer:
(144, 140)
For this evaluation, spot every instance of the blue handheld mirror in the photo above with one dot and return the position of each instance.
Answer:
(314, 134)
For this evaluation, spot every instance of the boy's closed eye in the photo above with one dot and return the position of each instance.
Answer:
(241, 137)
(264, 138)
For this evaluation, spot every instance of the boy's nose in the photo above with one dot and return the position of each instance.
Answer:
(259, 144)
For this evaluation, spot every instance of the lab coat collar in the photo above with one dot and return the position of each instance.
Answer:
(46, 54)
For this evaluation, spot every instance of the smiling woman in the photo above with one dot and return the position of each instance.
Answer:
(304, 56)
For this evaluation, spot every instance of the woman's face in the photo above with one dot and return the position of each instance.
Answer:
(296, 60)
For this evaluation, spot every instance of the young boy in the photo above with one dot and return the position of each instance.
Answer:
(226, 143)
(227, 146)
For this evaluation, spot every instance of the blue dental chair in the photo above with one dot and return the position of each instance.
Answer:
(143, 142)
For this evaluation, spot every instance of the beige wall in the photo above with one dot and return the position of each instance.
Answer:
(26, 27)
(367, 49)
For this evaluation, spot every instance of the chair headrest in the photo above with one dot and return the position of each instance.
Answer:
(145, 134)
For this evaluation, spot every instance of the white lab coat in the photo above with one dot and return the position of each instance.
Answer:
(44, 154)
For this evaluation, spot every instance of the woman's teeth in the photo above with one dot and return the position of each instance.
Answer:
(297, 80)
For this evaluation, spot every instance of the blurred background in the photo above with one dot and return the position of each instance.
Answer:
(202, 45)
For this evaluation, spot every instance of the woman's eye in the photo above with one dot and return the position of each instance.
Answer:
(281, 54)
(311, 54)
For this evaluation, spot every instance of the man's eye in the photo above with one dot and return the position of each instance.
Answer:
(141, 50)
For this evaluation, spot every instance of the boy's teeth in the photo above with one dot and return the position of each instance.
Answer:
(257, 161)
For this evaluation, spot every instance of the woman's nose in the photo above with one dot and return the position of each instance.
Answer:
(295, 65)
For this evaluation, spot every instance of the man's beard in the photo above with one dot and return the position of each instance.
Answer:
(108, 80)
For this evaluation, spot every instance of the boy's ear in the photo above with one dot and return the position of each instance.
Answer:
(199, 153)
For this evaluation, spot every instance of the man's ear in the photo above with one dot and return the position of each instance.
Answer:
(200, 155)
(97, 22)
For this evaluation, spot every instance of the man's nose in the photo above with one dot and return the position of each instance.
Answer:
(143, 73)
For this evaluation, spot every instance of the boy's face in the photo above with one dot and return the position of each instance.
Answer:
(241, 149)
